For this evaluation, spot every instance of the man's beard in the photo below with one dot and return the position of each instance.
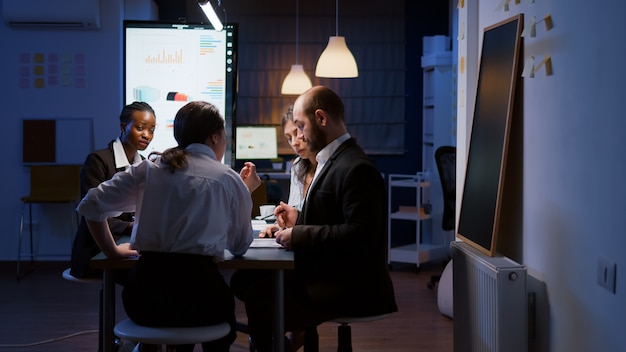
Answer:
(317, 140)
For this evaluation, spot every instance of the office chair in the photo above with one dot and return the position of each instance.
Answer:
(445, 158)
(49, 184)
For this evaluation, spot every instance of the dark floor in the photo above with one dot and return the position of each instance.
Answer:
(44, 312)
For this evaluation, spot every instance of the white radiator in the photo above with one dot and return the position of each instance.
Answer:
(490, 302)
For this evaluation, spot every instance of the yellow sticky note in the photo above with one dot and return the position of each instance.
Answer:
(39, 83)
(547, 63)
(38, 70)
(548, 66)
(548, 22)
(462, 65)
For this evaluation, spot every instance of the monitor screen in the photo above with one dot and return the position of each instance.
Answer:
(169, 64)
(255, 142)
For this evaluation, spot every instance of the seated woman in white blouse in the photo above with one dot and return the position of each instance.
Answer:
(189, 208)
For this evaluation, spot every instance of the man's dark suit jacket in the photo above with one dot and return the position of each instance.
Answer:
(98, 167)
(340, 239)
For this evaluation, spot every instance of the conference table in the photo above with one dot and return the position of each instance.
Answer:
(258, 257)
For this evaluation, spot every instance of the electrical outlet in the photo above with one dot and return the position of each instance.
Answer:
(607, 271)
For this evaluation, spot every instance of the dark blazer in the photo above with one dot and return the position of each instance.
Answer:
(340, 239)
(99, 166)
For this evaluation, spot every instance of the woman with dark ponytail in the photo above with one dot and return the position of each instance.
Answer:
(189, 208)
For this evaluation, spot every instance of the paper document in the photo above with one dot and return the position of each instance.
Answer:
(258, 225)
(265, 243)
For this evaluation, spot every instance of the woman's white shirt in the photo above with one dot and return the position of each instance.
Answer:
(296, 188)
(202, 209)
(121, 161)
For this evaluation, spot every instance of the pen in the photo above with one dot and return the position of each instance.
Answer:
(266, 217)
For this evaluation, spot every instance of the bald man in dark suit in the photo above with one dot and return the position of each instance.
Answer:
(339, 239)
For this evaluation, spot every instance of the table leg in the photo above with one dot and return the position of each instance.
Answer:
(279, 312)
(108, 311)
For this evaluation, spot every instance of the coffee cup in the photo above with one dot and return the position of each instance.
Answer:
(267, 210)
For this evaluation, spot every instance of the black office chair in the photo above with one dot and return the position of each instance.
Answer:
(445, 158)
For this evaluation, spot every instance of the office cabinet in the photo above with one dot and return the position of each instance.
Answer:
(438, 123)
(421, 250)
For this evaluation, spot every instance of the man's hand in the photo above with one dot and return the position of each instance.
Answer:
(283, 237)
(286, 215)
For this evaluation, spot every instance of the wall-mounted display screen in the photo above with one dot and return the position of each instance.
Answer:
(486, 160)
(169, 64)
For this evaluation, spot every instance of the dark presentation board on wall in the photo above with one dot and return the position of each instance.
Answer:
(486, 160)
(63, 141)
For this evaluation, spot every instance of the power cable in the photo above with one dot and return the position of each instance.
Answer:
(50, 340)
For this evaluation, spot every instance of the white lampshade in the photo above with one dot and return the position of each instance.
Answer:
(336, 60)
(296, 81)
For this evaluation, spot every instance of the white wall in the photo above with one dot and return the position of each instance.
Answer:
(572, 167)
(100, 98)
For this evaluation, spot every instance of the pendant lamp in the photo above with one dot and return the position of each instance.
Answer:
(297, 80)
(336, 60)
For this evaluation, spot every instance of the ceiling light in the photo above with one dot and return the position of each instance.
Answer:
(336, 61)
(297, 80)
(210, 14)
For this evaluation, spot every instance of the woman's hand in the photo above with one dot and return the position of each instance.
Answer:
(102, 235)
(249, 176)
(124, 250)
(269, 231)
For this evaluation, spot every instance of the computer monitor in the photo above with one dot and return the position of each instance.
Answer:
(255, 143)
(168, 64)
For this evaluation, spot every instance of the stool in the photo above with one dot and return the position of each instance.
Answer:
(345, 332)
(90, 280)
(128, 330)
